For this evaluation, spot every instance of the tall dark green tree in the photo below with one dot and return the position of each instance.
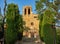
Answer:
(46, 15)
(48, 28)
(20, 31)
(14, 23)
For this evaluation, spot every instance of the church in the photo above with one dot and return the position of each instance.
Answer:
(31, 21)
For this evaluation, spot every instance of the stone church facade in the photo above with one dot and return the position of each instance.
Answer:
(31, 21)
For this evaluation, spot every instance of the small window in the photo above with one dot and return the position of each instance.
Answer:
(28, 11)
(25, 12)
(32, 23)
(35, 16)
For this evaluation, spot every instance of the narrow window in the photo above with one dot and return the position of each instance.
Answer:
(32, 23)
(25, 12)
(28, 11)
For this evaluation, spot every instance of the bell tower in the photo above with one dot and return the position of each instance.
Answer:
(27, 10)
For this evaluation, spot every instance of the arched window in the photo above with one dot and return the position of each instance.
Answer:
(25, 11)
(32, 23)
(28, 11)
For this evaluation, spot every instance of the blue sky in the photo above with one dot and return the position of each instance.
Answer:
(20, 3)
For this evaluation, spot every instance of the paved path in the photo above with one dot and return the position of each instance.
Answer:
(29, 41)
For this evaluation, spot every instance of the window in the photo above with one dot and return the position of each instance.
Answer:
(32, 23)
(28, 11)
(25, 11)
(35, 16)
